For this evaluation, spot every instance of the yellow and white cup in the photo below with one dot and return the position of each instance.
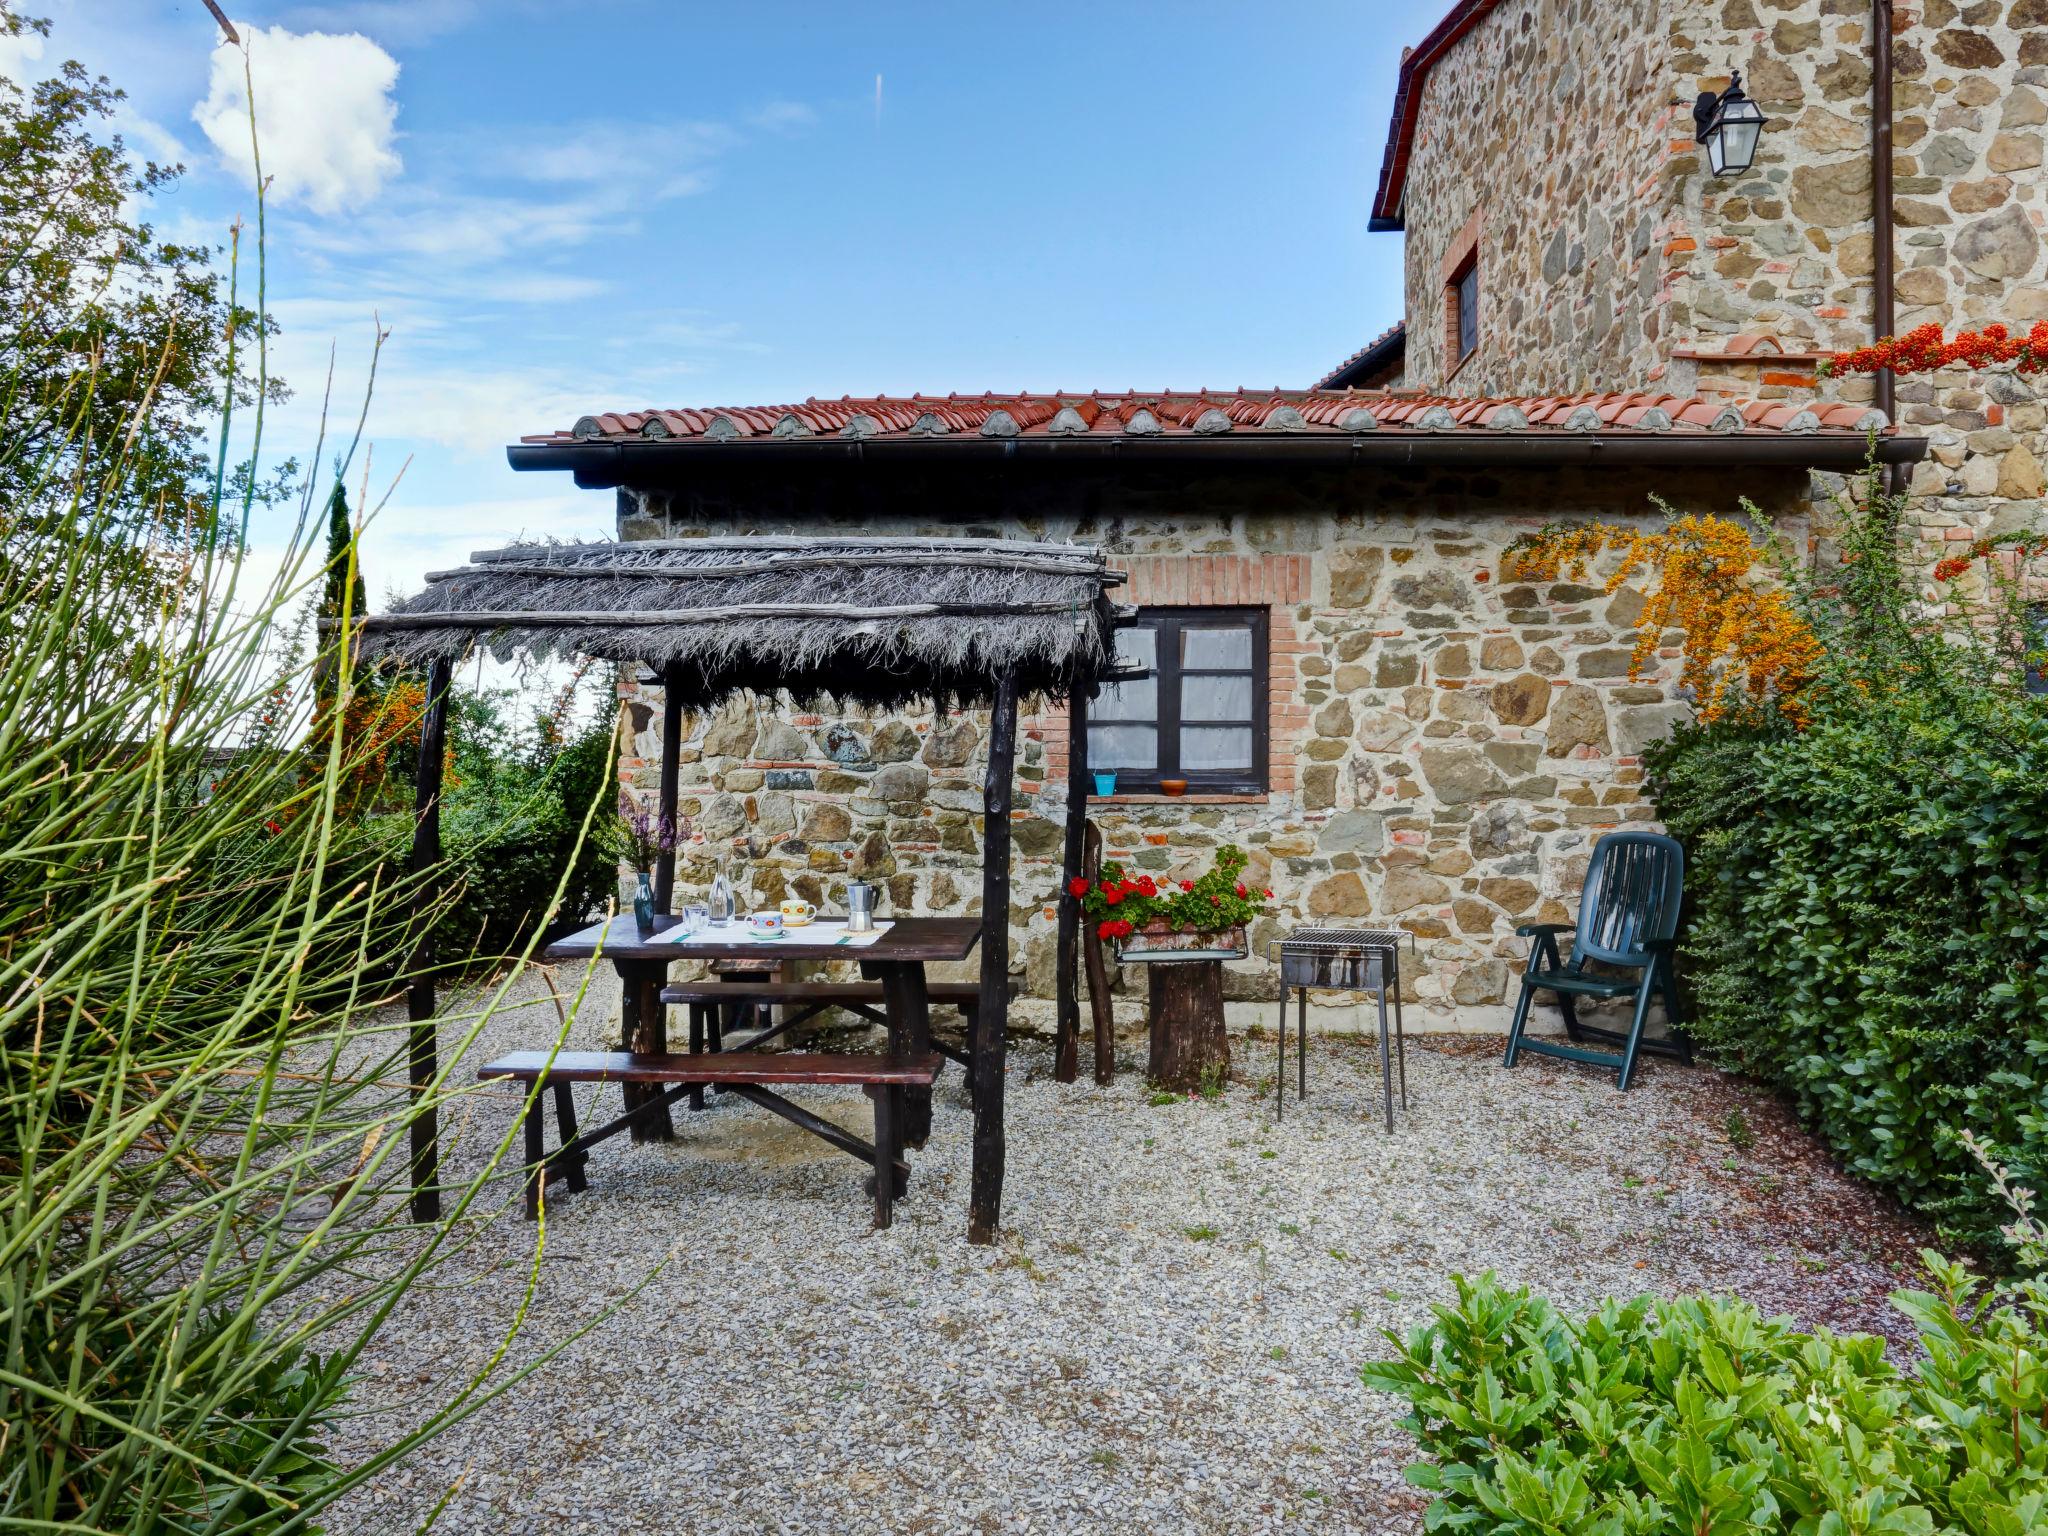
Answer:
(797, 914)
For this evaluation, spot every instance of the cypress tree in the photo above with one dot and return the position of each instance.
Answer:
(341, 586)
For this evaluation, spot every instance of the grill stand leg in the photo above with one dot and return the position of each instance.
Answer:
(1301, 1038)
(1386, 1061)
(1280, 1077)
(1400, 1041)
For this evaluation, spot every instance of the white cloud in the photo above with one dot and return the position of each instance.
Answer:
(537, 288)
(435, 388)
(782, 117)
(447, 228)
(153, 138)
(661, 159)
(17, 53)
(325, 115)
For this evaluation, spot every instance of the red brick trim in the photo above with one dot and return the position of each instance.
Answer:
(1464, 246)
(1215, 581)
(1461, 258)
(1280, 583)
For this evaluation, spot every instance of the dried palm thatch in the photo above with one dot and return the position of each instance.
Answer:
(879, 622)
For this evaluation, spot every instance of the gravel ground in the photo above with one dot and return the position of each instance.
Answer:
(1167, 1339)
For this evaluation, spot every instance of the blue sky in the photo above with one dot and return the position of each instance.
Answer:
(562, 207)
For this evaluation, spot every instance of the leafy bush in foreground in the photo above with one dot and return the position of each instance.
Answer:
(1701, 1417)
(512, 823)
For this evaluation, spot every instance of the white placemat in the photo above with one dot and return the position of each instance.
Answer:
(824, 930)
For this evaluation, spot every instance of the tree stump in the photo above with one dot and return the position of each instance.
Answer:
(1189, 1046)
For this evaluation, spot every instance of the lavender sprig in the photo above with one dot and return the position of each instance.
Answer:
(647, 837)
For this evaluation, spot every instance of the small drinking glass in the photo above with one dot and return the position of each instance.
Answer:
(696, 917)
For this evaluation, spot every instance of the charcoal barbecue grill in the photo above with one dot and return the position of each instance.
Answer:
(1342, 960)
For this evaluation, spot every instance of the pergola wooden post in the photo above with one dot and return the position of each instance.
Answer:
(671, 750)
(985, 1183)
(1067, 1030)
(422, 1053)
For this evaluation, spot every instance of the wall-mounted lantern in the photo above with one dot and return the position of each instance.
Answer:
(1728, 124)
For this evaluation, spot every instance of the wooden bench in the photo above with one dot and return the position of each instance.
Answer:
(746, 1074)
(716, 1006)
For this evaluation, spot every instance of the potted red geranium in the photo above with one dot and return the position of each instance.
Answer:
(1192, 926)
(1208, 912)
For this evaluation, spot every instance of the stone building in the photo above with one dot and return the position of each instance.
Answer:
(1389, 729)
(1608, 256)
(1395, 732)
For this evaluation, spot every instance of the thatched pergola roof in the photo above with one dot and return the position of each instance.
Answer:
(867, 621)
(871, 621)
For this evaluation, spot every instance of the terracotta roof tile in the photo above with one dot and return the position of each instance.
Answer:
(1207, 413)
(1376, 356)
(1416, 64)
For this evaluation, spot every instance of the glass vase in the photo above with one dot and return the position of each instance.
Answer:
(643, 905)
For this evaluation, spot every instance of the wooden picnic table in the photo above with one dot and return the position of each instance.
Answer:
(897, 959)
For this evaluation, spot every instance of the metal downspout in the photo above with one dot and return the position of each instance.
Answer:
(1884, 320)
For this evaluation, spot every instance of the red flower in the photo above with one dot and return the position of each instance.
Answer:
(1240, 889)
(1078, 886)
(1215, 900)
(1187, 885)
(1269, 895)
(1147, 886)
(1922, 349)
(1113, 895)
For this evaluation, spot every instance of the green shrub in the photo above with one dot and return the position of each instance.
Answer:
(1867, 922)
(1703, 1417)
(205, 1114)
(511, 824)
(1869, 930)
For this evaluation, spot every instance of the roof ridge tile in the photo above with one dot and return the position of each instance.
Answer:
(1205, 413)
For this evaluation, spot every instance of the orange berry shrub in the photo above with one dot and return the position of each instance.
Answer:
(1745, 646)
(1861, 804)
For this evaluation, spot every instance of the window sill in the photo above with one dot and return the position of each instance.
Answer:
(1187, 799)
(1460, 368)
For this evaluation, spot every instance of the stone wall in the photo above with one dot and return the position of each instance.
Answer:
(1550, 122)
(1609, 258)
(1447, 746)
(1786, 252)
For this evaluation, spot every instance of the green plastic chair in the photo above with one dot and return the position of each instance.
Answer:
(1628, 918)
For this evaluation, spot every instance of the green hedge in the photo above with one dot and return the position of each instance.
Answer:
(1868, 892)
(1701, 1417)
(1868, 929)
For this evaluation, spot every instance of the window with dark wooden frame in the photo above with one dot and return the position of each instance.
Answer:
(1198, 712)
(2037, 678)
(1461, 311)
